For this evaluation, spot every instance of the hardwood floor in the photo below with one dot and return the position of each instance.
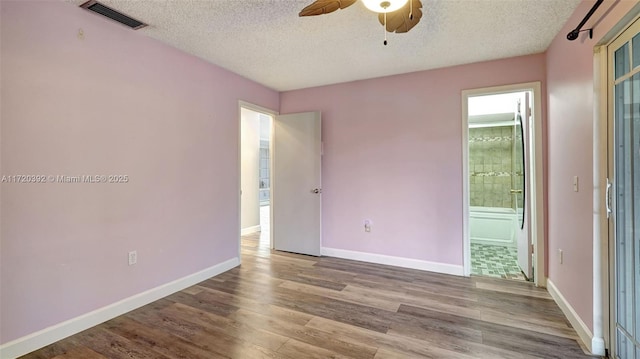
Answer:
(283, 305)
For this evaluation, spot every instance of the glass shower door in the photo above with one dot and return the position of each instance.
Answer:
(626, 195)
(519, 190)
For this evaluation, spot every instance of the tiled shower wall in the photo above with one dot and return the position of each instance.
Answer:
(490, 153)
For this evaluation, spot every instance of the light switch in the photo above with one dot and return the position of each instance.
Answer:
(575, 183)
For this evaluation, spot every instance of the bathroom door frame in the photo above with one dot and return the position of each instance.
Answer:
(535, 169)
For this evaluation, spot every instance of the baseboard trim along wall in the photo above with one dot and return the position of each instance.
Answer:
(393, 261)
(581, 328)
(62, 330)
(250, 230)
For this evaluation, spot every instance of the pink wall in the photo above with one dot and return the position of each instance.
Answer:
(570, 153)
(393, 154)
(116, 102)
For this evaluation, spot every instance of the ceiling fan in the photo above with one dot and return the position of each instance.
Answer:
(395, 15)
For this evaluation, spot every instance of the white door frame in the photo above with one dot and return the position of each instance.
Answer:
(272, 113)
(536, 203)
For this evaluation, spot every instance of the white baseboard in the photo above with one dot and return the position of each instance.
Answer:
(67, 328)
(250, 230)
(582, 329)
(393, 261)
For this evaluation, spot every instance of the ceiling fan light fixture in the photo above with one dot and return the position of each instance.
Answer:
(384, 6)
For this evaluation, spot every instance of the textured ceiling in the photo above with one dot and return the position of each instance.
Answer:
(266, 41)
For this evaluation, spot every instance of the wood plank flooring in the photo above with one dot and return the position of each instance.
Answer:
(283, 305)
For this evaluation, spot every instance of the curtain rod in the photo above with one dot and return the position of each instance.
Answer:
(575, 32)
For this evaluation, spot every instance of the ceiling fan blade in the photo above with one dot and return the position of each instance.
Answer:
(325, 6)
(399, 21)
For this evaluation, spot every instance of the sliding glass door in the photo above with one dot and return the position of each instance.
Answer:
(625, 74)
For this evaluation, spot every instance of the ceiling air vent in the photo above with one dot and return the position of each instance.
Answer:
(114, 15)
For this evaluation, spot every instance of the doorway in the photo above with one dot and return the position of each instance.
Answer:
(255, 175)
(280, 180)
(502, 182)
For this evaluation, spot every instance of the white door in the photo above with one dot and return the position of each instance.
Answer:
(296, 189)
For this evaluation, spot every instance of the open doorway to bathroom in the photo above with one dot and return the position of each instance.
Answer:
(500, 182)
(497, 185)
(255, 176)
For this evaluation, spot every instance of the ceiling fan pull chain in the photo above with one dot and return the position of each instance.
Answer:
(385, 29)
(410, 9)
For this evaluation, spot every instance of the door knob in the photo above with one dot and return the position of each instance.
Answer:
(316, 190)
(513, 191)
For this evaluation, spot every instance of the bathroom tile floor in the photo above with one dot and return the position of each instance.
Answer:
(495, 261)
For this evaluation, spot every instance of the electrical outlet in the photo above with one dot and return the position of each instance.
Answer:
(560, 256)
(133, 257)
(367, 225)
